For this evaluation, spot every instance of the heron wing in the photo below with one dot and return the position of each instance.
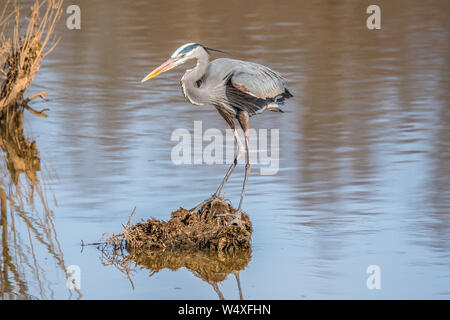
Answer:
(253, 88)
(258, 81)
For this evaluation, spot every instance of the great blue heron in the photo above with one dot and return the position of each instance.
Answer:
(238, 90)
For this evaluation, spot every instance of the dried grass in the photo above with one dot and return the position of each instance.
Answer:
(202, 230)
(24, 41)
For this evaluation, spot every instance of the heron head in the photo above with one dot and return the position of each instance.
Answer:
(181, 55)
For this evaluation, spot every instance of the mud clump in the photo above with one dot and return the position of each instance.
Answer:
(202, 230)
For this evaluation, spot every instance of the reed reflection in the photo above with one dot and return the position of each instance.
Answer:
(28, 235)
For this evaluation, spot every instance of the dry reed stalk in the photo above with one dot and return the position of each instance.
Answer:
(23, 43)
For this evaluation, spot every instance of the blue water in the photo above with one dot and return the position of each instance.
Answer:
(364, 162)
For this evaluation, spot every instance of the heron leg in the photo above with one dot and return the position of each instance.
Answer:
(233, 165)
(243, 119)
(247, 172)
(217, 194)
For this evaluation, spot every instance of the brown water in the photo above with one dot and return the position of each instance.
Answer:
(364, 152)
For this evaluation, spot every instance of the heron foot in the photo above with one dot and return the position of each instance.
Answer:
(237, 217)
(213, 198)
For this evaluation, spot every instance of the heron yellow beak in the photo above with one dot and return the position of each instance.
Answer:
(169, 64)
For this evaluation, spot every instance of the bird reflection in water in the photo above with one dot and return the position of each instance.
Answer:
(26, 224)
(211, 267)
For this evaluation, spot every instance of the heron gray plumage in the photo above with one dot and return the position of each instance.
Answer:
(238, 89)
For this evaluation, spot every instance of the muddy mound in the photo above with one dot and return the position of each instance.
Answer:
(202, 230)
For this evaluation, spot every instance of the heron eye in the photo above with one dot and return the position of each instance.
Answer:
(183, 55)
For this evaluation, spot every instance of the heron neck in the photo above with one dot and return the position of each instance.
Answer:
(200, 69)
(190, 80)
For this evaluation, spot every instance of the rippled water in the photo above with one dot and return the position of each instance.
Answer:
(364, 153)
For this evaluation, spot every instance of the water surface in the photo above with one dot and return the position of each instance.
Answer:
(364, 151)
